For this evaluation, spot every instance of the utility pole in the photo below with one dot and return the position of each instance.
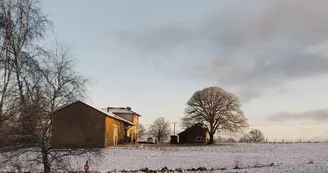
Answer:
(174, 128)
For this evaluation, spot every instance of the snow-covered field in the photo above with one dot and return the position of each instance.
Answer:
(286, 157)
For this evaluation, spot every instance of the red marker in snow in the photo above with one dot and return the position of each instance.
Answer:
(86, 166)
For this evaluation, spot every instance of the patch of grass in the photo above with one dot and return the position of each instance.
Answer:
(179, 170)
(310, 162)
(237, 165)
(257, 165)
(202, 169)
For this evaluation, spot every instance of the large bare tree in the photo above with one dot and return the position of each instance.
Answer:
(52, 85)
(217, 110)
(22, 25)
(160, 129)
(34, 83)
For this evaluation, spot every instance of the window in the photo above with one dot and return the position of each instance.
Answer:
(199, 138)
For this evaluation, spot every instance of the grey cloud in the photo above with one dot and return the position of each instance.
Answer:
(248, 93)
(157, 38)
(270, 71)
(316, 115)
(248, 48)
(299, 21)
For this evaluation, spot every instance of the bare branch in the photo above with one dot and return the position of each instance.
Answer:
(160, 129)
(254, 135)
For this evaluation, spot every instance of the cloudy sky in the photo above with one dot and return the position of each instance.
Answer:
(153, 55)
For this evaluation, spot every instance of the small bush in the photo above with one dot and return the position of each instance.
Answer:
(165, 169)
(257, 165)
(191, 169)
(179, 170)
(201, 169)
(237, 165)
(144, 169)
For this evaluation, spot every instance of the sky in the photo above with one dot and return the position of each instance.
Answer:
(153, 55)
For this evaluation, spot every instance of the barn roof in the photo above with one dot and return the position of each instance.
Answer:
(195, 126)
(108, 114)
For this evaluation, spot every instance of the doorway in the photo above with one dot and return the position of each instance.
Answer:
(115, 135)
(107, 141)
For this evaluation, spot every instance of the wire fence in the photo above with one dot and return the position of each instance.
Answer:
(288, 125)
(178, 129)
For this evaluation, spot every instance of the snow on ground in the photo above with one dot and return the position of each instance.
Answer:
(288, 158)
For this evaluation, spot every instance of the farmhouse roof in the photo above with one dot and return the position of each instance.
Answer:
(109, 114)
(121, 110)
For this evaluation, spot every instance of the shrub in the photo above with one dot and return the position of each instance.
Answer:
(311, 162)
(237, 165)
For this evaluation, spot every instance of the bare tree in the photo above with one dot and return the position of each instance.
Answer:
(142, 131)
(217, 110)
(22, 24)
(52, 85)
(34, 83)
(160, 129)
(254, 135)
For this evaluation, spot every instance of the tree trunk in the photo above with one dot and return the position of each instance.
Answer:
(211, 138)
(45, 160)
(159, 136)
